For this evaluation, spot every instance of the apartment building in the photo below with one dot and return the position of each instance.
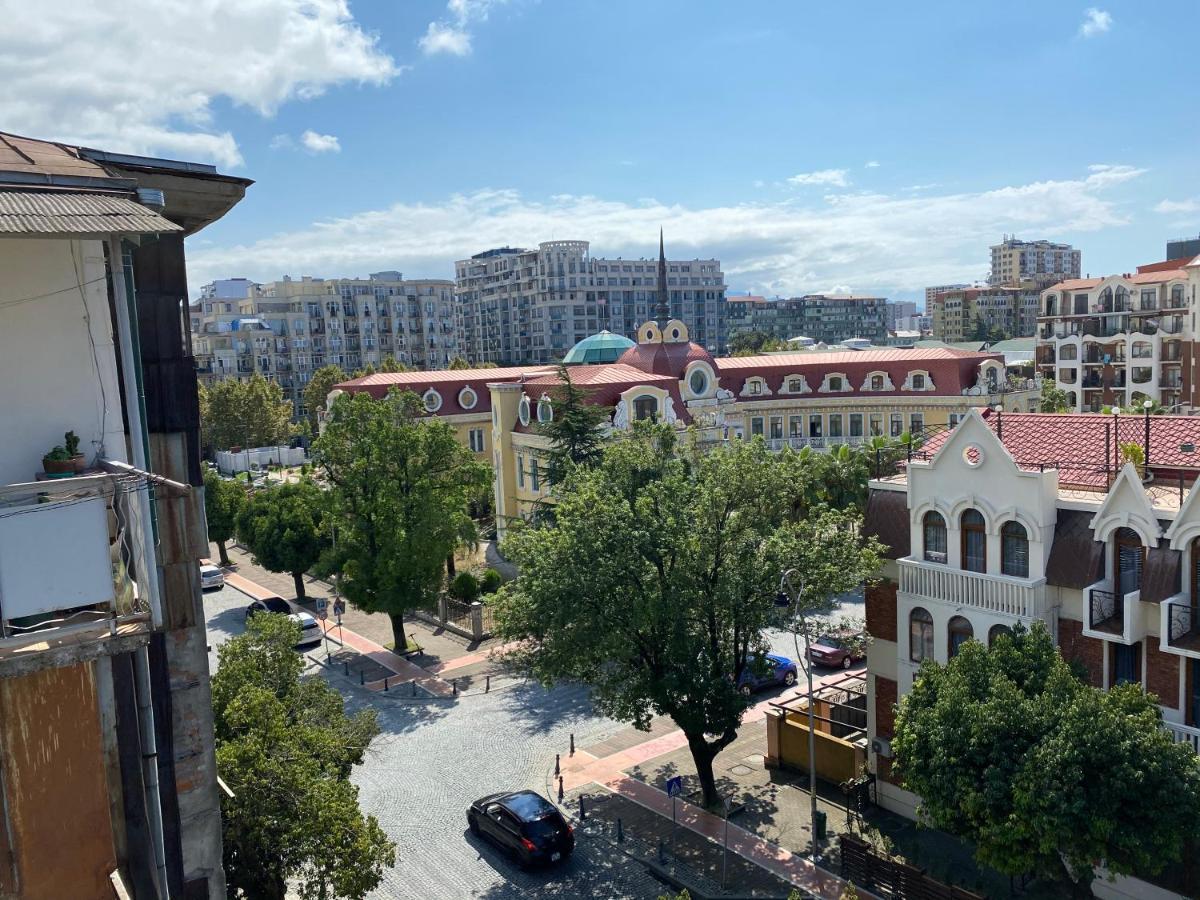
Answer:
(108, 782)
(531, 306)
(1123, 339)
(1032, 264)
(1183, 247)
(900, 313)
(931, 292)
(1010, 519)
(959, 315)
(781, 318)
(285, 330)
(833, 318)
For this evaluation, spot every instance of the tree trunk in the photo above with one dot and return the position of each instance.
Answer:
(298, 577)
(703, 755)
(399, 638)
(450, 571)
(224, 554)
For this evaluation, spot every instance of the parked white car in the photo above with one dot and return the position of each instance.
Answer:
(211, 577)
(310, 629)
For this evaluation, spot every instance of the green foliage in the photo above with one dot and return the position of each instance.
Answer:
(285, 747)
(317, 390)
(658, 579)
(751, 343)
(223, 500)
(400, 487)
(58, 454)
(249, 413)
(465, 587)
(490, 582)
(458, 363)
(391, 364)
(990, 333)
(575, 432)
(71, 443)
(1045, 774)
(1054, 399)
(283, 527)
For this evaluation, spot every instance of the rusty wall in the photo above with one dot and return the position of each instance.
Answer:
(55, 783)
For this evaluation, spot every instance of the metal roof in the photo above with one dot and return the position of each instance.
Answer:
(28, 212)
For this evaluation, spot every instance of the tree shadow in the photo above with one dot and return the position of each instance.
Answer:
(536, 709)
(395, 712)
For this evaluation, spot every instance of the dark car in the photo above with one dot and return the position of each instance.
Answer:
(839, 650)
(525, 824)
(310, 628)
(774, 669)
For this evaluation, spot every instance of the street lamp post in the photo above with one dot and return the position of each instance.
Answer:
(793, 600)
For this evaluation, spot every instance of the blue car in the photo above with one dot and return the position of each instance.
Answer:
(774, 670)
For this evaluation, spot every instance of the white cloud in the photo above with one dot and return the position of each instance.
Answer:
(282, 142)
(320, 143)
(786, 245)
(452, 34)
(142, 76)
(1168, 207)
(1095, 21)
(835, 177)
(872, 164)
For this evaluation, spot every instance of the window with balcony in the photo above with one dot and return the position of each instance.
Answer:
(1051, 304)
(1068, 352)
(876, 423)
(996, 632)
(835, 425)
(920, 635)
(777, 428)
(1014, 550)
(933, 528)
(856, 425)
(814, 426)
(1127, 663)
(1127, 561)
(960, 631)
(756, 426)
(1177, 295)
(974, 541)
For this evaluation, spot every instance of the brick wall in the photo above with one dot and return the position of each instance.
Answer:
(885, 703)
(1089, 652)
(881, 610)
(1162, 674)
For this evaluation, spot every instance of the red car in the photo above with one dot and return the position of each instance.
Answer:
(838, 650)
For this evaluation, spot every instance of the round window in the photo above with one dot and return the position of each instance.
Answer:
(545, 411)
(467, 398)
(432, 400)
(698, 382)
(523, 411)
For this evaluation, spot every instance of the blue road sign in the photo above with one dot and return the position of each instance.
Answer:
(675, 786)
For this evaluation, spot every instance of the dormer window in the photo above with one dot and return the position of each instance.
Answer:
(918, 382)
(645, 408)
(431, 400)
(834, 383)
(795, 385)
(877, 382)
(755, 387)
(545, 410)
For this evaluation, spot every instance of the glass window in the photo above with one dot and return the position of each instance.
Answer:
(1127, 664)
(1014, 550)
(756, 425)
(795, 426)
(755, 387)
(795, 385)
(877, 382)
(876, 424)
(545, 411)
(835, 383)
(1068, 352)
(814, 426)
(996, 632)
(934, 529)
(897, 424)
(520, 470)
(698, 382)
(856, 424)
(974, 541)
(533, 474)
(916, 423)
(960, 632)
(918, 382)
(776, 428)
(1128, 559)
(476, 437)
(920, 635)
(645, 408)
(835, 425)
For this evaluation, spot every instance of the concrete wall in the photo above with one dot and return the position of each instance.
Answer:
(50, 380)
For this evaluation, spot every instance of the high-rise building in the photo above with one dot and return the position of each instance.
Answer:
(931, 292)
(532, 306)
(961, 315)
(1184, 247)
(899, 311)
(1033, 264)
(833, 318)
(286, 330)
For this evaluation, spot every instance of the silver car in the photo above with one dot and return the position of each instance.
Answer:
(211, 577)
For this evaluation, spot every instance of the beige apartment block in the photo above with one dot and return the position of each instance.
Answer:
(1032, 264)
(957, 314)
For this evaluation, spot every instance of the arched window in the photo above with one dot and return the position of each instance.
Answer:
(960, 632)
(1014, 550)
(1106, 300)
(974, 541)
(1122, 301)
(645, 408)
(934, 528)
(545, 410)
(920, 635)
(1127, 561)
(997, 631)
(1196, 579)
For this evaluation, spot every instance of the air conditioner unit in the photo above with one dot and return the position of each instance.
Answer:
(882, 747)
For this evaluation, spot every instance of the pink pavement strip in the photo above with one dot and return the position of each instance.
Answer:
(469, 659)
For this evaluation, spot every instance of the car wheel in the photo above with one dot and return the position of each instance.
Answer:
(789, 679)
(847, 662)
(473, 824)
(745, 690)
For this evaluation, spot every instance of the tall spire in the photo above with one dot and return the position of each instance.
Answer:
(664, 299)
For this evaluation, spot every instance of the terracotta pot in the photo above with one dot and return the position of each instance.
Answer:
(58, 468)
(79, 461)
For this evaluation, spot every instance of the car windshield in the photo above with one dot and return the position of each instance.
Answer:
(541, 829)
(276, 605)
(528, 806)
(829, 641)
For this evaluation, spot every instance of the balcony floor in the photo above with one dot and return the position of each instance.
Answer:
(71, 644)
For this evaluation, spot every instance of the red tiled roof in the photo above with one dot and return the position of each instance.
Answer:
(1076, 284)
(1178, 263)
(447, 382)
(746, 298)
(664, 358)
(1158, 276)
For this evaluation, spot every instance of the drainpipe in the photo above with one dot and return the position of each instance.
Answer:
(135, 409)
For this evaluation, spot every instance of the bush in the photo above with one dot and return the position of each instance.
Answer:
(465, 587)
(490, 582)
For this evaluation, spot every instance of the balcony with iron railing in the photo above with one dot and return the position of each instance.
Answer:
(1179, 626)
(101, 523)
(1112, 615)
(1023, 598)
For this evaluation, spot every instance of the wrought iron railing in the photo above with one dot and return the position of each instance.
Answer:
(1183, 625)
(1106, 610)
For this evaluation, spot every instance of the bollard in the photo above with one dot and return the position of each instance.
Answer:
(455, 684)
(620, 831)
(662, 852)
(362, 679)
(385, 683)
(572, 743)
(487, 684)
(413, 685)
(560, 790)
(582, 810)
(346, 668)
(556, 768)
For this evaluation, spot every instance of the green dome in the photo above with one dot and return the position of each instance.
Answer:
(604, 347)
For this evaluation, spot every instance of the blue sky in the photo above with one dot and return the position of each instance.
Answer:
(810, 146)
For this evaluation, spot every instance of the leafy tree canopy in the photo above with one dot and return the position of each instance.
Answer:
(576, 432)
(318, 388)
(249, 413)
(658, 579)
(223, 500)
(751, 343)
(400, 488)
(1054, 399)
(283, 527)
(459, 362)
(285, 747)
(1045, 774)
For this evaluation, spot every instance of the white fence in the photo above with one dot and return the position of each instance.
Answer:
(229, 462)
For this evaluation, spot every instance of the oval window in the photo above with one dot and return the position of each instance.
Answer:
(545, 411)
(523, 411)
(698, 382)
(432, 400)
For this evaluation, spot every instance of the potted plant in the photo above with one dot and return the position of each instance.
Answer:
(71, 445)
(58, 463)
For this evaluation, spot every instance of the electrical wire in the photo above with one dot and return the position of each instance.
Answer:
(5, 304)
(87, 324)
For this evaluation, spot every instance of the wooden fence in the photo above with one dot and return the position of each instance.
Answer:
(889, 878)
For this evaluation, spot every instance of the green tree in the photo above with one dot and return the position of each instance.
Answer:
(249, 413)
(401, 484)
(282, 526)
(286, 748)
(576, 431)
(223, 500)
(659, 577)
(391, 364)
(1043, 773)
(1054, 399)
(317, 390)
(458, 363)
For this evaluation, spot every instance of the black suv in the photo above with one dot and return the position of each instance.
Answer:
(525, 824)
